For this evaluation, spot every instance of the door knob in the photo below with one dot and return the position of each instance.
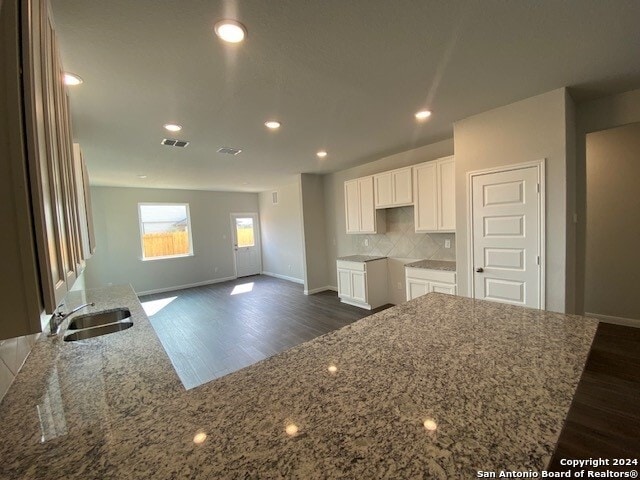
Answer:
(479, 269)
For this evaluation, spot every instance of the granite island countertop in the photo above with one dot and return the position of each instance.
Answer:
(495, 381)
(446, 265)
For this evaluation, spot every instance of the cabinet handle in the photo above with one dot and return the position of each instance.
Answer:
(479, 269)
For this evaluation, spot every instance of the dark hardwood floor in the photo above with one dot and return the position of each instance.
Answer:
(604, 417)
(214, 330)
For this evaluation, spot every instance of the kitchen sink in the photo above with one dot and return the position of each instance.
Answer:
(97, 319)
(97, 331)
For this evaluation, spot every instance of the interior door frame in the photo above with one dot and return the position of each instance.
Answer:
(257, 237)
(540, 165)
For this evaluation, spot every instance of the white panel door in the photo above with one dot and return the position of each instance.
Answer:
(506, 219)
(359, 286)
(344, 283)
(246, 244)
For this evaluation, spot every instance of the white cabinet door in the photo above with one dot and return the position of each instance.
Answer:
(426, 194)
(393, 188)
(352, 206)
(416, 288)
(446, 195)
(442, 288)
(359, 286)
(383, 186)
(367, 207)
(344, 283)
(402, 187)
(434, 195)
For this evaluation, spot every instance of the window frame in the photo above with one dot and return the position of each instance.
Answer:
(141, 231)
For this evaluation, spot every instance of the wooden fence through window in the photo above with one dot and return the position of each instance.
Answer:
(165, 244)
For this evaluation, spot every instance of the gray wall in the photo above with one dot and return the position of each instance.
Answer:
(524, 131)
(118, 256)
(337, 240)
(314, 233)
(613, 222)
(281, 230)
(600, 114)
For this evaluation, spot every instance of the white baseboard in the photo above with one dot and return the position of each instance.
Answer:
(283, 277)
(320, 289)
(183, 287)
(629, 322)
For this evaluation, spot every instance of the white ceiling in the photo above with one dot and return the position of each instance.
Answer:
(344, 75)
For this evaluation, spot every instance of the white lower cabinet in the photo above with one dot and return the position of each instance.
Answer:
(421, 281)
(363, 284)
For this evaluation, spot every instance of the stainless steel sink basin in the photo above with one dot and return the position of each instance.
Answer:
(97, 319)
(97, 331)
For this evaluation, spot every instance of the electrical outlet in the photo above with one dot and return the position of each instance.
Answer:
(447, 243)
(366, 242)
(399, 285)
(289, 266)
(215, 270)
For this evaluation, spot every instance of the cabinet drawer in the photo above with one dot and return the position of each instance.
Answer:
(432, 275)
(357, 266)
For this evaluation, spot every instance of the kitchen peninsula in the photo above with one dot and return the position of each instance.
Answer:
(439, 387)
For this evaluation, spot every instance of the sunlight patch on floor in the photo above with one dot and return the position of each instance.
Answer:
(243, 288)
(154, 306)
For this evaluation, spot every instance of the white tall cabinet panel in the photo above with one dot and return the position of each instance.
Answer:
(446, 182)
(426, 207)
(360, 213)
(434, 195)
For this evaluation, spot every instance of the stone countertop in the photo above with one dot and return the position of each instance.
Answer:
(360, 258)
(434, 265)
(494, 380)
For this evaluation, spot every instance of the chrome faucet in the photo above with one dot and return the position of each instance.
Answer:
(58, 317)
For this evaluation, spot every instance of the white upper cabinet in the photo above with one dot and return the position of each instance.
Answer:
(360, 212)
(435, 196)
(47, 231)
(393, 188)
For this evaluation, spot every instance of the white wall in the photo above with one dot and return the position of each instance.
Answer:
(613, 222)
(118, 256)
(524, 131)
(314, 233)
(337, 241)
(281, 230)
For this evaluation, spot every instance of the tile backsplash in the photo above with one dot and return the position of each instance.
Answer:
(401, 240)
(13, 353)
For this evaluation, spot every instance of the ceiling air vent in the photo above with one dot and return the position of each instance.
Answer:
(229, 150)
(174, 143)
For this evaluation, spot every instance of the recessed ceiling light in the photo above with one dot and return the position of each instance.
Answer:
(230, 31)
(321, 154)
(142, 176)
(423, 114)
(272, 124)
(72, 79)
(172, 127)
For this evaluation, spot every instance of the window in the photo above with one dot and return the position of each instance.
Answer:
(244, 232)
(165, 230)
